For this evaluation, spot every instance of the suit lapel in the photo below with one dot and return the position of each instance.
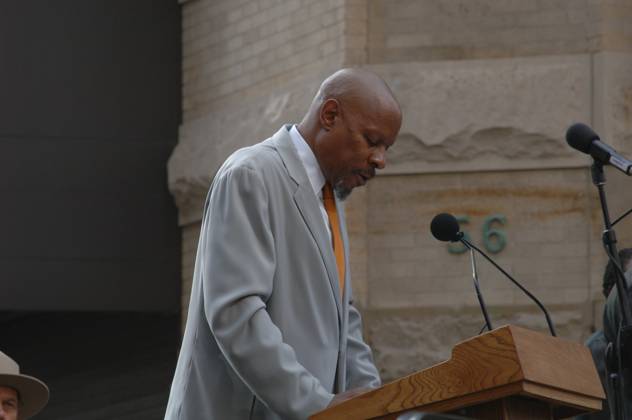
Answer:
(308, 206)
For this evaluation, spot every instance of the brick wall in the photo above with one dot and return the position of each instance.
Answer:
(233, 49)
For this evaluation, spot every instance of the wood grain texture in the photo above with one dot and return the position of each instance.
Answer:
(504, 362)
(546, 360)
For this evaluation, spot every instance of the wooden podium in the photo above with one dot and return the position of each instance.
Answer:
(510, 373)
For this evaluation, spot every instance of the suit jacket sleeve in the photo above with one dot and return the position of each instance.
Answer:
(361, 371)
(239, 267)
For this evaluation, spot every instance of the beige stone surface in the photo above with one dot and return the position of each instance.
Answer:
(522, 124)
(613, 99)
(488, 114)
(357, 212)
(547, 225)
(405, 341)
(206, 142)
(237, 49)
(435, 30)
(615, 25)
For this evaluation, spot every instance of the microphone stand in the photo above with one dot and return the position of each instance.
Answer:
(546, 313)
(479, 295)
(618, 355)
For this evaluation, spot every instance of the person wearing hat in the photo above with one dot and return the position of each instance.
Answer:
(21, 396)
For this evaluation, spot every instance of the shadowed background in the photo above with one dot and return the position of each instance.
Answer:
(90, 256)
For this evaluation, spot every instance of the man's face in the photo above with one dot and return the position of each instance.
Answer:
(356, 146)
(8, 403)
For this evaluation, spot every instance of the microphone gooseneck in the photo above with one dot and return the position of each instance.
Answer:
(521, 287)
(477, 288)
(445, 227)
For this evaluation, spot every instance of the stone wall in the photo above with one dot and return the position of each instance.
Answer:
(420, 296)
(487, 90)
(409, 30)
(433, 30)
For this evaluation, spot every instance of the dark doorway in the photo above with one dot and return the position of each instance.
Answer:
(90, 250)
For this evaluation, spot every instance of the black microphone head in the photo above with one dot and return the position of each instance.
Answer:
(579, 136)
(445, 227)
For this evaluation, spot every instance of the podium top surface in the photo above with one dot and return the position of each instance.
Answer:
(507, 361)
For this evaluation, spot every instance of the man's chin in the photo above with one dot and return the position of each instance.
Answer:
(345, 185)
(342, 191)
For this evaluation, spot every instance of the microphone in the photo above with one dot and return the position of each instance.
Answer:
(446, 228)
(581, 137)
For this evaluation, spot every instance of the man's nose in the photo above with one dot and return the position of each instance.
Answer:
(378, 158)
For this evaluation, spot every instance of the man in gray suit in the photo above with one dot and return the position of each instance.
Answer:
(271, 330)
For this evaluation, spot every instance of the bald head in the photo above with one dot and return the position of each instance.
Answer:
(353, 119)
(361, 89)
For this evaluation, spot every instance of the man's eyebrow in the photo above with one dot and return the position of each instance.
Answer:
(383, 140)
(376, 136)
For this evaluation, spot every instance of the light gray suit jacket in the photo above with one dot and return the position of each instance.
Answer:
(268, 335)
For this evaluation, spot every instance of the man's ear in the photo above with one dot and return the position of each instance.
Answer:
(329, 113)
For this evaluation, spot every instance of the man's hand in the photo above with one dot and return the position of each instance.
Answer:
(347, 395)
